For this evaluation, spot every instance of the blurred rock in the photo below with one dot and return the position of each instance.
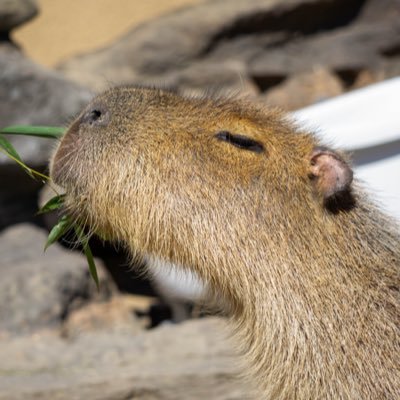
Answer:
(174, 362)
(15, 12)
(307, 87)
(117, 315)
(220, 45)
(33, 95)
(38, 290)
(346, 51)
(390, 69)
(225, 77)
(30, 94)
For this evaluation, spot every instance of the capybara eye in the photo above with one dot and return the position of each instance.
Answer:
(243, 142)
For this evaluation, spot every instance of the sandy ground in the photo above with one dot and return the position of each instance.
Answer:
(68, 27)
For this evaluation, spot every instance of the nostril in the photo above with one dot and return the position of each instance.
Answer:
(96, 116)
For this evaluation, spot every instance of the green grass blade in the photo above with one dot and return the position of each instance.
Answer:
(54, 203)
(62, 226)
(9, 148)
(50, 132)
(10, 151)
(88, 253)
(92, 265)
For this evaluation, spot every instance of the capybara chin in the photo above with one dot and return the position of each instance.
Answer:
(266, 215)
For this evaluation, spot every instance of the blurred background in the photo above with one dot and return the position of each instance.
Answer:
(332, 62)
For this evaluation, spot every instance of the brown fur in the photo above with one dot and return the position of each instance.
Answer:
(313, 286)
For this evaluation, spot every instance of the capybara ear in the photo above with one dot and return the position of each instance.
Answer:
(331, 175)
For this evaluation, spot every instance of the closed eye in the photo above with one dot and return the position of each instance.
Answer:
(243, 142)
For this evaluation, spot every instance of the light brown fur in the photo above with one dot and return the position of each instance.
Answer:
(313, 289)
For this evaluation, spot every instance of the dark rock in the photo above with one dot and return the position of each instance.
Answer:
(33, 95)
(37, 289)
(173, 362)
(18, 196)
(15, 12)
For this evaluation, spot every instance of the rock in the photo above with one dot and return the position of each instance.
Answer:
(115, 315)
(222, 78)
(33, 95)
(173, 362)
(268, 41)
(304, 89)
(347, 51)
(15, 12)
(38, 290)
(389, 69)
(30, 95)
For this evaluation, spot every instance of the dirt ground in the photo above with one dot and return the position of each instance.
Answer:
(68, 27)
